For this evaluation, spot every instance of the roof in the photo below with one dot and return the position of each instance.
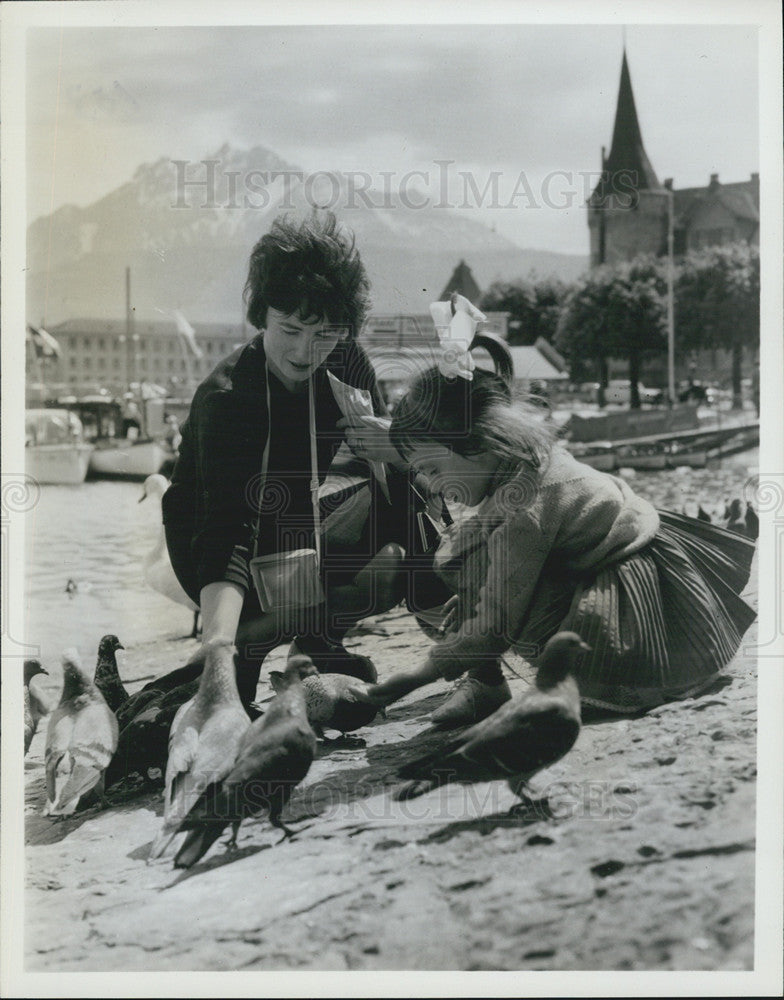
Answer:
(740, 199)
(627, 154)
(529, 363)
(556, 360)
(462, 281)
(400, 366)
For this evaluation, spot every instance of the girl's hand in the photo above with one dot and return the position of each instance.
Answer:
(396, 686)
(368, 437)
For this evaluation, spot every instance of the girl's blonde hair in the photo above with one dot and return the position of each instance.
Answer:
(471, 417)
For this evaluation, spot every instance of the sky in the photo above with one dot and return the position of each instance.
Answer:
(530, 105)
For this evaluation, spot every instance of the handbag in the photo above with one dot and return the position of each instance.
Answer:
(286, 581)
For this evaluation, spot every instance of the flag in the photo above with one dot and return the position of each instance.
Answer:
(44, 344)
(186, 330)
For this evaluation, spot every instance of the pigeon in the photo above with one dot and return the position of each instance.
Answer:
(143, 744)
(274, 755)
(158, 572)
(204, 740)
(80, 740)
(330, 701)
(735, 518)
(107, 677)
(34, 707)
(528, 733)
(752, 522)
(703, 515)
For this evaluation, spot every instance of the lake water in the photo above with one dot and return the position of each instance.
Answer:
(97, 534)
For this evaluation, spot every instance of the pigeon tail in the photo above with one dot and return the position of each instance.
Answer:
(196, 845)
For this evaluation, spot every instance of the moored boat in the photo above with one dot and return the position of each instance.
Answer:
(123, 458)
(642, 456)
(694, 459)
(55, 450)
(121, 450)
(598, 454)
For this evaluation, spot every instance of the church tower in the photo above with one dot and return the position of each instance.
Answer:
(627, 211)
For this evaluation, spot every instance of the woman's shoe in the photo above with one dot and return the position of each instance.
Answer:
(470, 702)
(334, 658)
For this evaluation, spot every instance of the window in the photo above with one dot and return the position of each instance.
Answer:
(88, 364)
(72, 361)
(101, 364)
(101, 344)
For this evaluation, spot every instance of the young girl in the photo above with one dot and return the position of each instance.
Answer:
(554, 544)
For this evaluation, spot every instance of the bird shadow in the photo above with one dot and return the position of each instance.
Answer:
(344, 742)
(228, 857)
(529, 812)
(43, 830)
(343, 786)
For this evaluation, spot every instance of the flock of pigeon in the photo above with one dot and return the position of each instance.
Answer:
(224, 766)
(224, 763)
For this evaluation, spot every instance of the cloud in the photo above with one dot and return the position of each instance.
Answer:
(528, 97)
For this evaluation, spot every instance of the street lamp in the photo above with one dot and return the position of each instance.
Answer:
(669, 194)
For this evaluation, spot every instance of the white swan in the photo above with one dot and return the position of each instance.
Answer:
(158, 572)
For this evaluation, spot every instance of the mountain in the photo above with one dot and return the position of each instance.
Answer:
(186, 231)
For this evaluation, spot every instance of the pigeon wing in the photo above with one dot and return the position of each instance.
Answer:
(91, 747)
(202, 752)
(538, 739)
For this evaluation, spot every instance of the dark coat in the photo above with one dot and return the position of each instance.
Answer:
(210, 510)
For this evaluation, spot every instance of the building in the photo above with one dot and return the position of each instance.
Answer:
(402, 331)
(628, 214)
(629, 208)
(100, 354)
(463, 282)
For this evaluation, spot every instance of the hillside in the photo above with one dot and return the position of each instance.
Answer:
(187, 246)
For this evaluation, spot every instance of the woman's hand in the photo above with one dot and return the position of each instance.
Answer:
(451, 620)
(368, 437)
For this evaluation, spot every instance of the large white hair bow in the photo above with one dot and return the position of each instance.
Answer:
(456, 322)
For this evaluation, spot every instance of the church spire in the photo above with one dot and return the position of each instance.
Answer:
(628, 162)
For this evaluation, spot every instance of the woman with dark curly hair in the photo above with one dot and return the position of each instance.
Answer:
(307, 294)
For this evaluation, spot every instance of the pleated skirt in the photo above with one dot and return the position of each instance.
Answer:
(661, 623)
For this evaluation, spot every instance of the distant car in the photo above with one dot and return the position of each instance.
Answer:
(696, 392)
(619, 390)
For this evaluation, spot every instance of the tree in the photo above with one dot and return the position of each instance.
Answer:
(582, 334)
(616, 312)
(718, 305)
(637, 315)
(534, 307)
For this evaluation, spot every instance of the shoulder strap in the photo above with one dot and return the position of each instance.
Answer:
(314, 479)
